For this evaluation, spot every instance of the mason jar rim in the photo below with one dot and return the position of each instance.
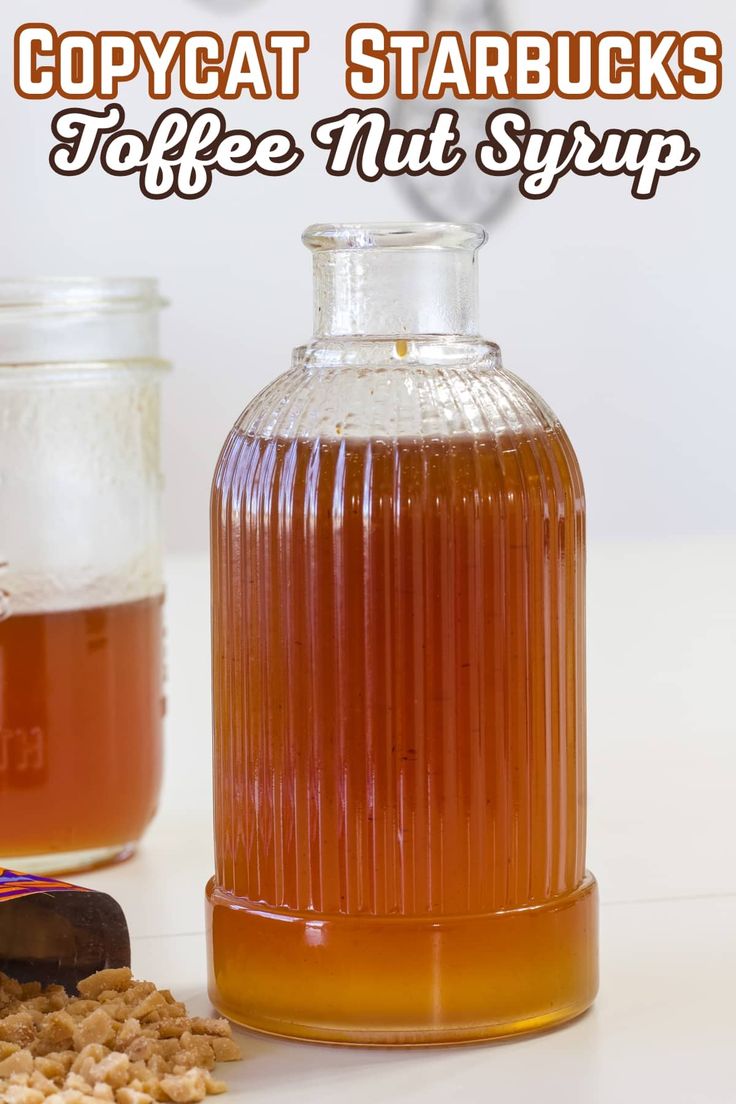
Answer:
(86, 293)
(75, 320)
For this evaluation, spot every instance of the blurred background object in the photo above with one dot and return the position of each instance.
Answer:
(467, 195)
(226, 5)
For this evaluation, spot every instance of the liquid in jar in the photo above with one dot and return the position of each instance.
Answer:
(80, 728)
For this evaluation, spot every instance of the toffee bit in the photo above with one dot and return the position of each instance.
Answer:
(119, 1041)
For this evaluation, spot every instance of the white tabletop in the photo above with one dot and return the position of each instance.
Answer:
(662, 759)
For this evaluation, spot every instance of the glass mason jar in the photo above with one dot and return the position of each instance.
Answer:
(80, 570)
(399, 702)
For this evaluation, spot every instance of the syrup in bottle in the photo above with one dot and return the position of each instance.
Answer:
(398, 552)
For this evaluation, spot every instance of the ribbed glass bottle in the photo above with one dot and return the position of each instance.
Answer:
(398, 673)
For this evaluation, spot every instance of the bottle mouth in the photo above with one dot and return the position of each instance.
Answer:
(349, 236)
(88, 294)
(382, 279)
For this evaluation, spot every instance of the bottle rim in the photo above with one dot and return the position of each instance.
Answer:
(343, 236)
(84, 293)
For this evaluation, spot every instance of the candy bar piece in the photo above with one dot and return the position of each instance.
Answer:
(55, 932)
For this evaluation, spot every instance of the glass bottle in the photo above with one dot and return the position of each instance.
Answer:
(398, 672)
(80, 570)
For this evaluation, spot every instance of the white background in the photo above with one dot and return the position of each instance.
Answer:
(620, 312)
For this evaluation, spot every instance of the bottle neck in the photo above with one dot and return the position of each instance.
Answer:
(395, 292)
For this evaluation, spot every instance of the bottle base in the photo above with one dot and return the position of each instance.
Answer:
(441, 1037)
(404, 981)
(70, 862)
